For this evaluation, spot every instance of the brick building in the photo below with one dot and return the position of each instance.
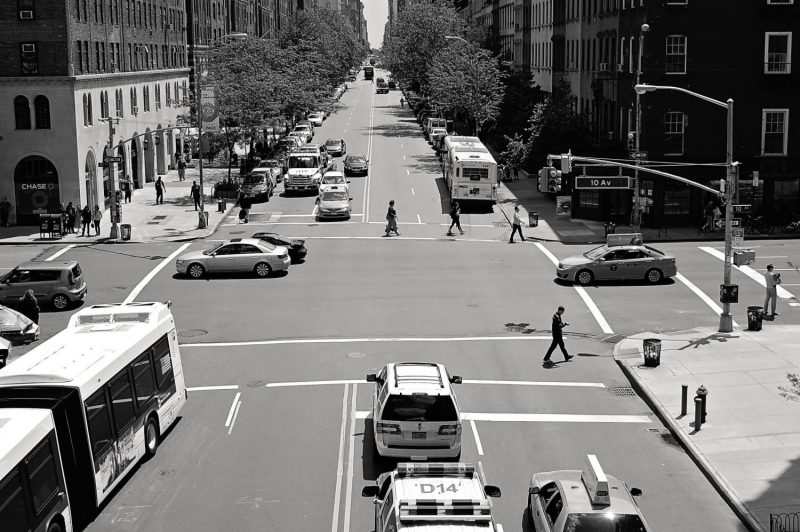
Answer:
(64, 66)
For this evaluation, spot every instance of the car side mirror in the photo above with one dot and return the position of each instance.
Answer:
(533, 490)
(350, 199)
(348, 181)
(371, 377)
(636, 492)
(489, 490)
(369, 491)
(456, 379)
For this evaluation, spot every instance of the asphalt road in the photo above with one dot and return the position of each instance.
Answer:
(275, 435)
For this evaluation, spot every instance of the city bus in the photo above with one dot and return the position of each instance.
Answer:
(369, 72)
(469, 169)
(113, 383)
(33, 494)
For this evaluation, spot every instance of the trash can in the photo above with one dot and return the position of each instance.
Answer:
(652, 352)
(221, 205)
(755, 317)
(610, 228)
(533, 219)
(125, 231)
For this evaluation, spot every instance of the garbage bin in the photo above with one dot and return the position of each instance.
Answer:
(533, 219)
(221, 205)
(125, 231)
(652, 352)
(755, 317)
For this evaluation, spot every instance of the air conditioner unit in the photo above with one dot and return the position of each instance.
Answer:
(603, 67)
(29, 48)
(26, 14)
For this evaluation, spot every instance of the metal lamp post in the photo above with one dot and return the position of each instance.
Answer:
(637, 211)
(725, 319)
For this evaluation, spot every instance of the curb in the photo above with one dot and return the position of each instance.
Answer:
(710, 472)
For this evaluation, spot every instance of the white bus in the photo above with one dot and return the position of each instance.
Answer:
(113, 381)
(469, 169)
(33, 494)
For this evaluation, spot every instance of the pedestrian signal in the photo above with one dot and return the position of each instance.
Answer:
(729, 293)
(631, 141)
(554, 180)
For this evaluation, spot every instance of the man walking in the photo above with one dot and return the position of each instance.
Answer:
(455, 217)
(181, 169)
(773, 279)
(558, 337)
(195, 192)
(160, 187)
(516, 226)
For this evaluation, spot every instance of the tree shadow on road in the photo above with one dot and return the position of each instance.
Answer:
(706, 340)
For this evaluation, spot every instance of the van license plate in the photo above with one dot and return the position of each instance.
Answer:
(418, 435)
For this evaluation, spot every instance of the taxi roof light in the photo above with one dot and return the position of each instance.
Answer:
(408, 469)
(595, 481)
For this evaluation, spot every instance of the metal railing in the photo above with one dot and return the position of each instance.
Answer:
(787, 522)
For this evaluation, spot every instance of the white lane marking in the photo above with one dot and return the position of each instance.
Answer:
(540, 418)
(233, 408)
(477, 438)
(404, 157)
(588, 301)
(362, 340)
(340, 463)
(314, 212)
(554, 418)
(212, 388)
(367, 181)
(773, 257)
(699, 293)
(312, 383)
(401, 145)
(748, 271)
(266, 224)
(419, 220)
(537, 383)
(149, 277)
(60, 252)
(350, 464)
(302, 216)
(235, 415)
(407, 172)
(412, 191)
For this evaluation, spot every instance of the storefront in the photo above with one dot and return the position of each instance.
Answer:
(36, 189)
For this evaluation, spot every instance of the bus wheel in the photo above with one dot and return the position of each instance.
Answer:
(150, 437)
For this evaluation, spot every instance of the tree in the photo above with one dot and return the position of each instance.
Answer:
(417, 37)
(465, 78)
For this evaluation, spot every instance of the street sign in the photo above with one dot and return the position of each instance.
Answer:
(742, 209)
(719, 223)
(610, 182)
(736, 222)
(116, 159)
(638, 155)
(102, 165)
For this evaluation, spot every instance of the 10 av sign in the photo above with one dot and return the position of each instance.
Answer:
(603, 182)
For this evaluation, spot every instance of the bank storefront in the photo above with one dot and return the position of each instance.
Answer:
(36, 189)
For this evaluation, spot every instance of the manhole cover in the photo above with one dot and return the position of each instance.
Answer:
(622, 391)
(614, 338)
(191, 333)
(355, 354)
(166, 472)
(256, 384)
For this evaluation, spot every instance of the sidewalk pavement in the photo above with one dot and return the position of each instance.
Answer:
(749, 446)
(174, 220)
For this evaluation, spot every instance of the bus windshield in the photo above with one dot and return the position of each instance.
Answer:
(299, 161)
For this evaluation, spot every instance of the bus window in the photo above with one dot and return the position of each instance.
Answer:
(43, 477)
(143, 379)
(12, 504)
(122, 400)
(163, 362)
(99, 422)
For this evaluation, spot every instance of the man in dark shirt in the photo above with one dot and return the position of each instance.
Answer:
(558, 337)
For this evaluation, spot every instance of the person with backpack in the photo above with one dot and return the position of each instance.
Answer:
(455, 217)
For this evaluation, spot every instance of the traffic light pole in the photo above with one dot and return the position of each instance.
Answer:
(112, 186)
(725, 319)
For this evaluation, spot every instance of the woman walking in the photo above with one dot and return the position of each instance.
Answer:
(97, 215)
(86, 221)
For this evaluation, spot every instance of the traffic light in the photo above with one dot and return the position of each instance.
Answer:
(631, 141)
(554, 180)
(542, 185)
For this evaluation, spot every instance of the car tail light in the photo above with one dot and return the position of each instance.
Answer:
(448, 430)
(283, 255)
(387, 428)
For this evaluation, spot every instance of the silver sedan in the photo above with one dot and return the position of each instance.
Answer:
(237, 255)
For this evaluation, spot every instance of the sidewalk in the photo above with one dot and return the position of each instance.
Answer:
(749, 446)
(175, 220)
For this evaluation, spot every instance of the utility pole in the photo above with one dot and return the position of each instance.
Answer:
(636, 220)
(201, 222)
(112, 186)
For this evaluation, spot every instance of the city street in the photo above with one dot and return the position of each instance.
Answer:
(276, 434)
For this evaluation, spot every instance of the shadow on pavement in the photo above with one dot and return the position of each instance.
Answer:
(395, 130)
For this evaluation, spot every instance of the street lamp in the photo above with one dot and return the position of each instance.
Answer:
(725, 319)
(637, 213)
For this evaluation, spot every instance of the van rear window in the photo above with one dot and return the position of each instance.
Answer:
(419, 407)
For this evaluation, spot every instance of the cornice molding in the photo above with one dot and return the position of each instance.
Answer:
(97, 80)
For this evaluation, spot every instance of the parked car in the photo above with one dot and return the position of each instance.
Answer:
(274, 165)
(236, 255)
(392, 84)
(307, 129)
(17, 328)
(56, 283)
(297, 247)
(336, 147)
(259, 184)
(355, 164)
(316, 118)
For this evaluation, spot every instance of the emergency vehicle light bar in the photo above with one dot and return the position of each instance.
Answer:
(445, 510)
(408, 469)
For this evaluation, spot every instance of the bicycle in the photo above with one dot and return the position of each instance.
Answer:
(793, 226)
(757, 224)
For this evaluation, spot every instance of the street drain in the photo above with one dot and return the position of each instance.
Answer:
(614, 338)
(191, 333)
(356, 354)
(622, 391)
(160, 217)
(667, 437)
(256, 384)
(166, 472)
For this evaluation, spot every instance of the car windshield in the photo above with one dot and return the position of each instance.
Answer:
(333, 179)
(603, 522)
(420, 407)
(334, 196)
(332, 142)
(253, 179)
(596, 253)
(356, 159)
(297, 161)
(654, 250)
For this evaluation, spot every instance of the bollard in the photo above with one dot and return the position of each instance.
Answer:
(702, 393)
(684, 395)
(698, 413)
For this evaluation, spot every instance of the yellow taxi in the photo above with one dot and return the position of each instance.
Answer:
(584, 500)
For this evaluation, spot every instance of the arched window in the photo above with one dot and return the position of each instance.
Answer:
(22, 112)
(41, 107)
(90, 115)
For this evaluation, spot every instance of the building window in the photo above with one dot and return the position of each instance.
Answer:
(784, 197)
(22, 113)
(103, 104)
(29, 58)
(26, 9)
(673, 133)
(158, 96)
(589, 199)
(98, 62)
(86, 56)
(146, 98)
(676, 54)
(780, 2)
(166, 87)
(41, 106)
(134, 107)
(677, 199)
(79, 55)
(118, 102)
(778, 53)
(774, 131)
